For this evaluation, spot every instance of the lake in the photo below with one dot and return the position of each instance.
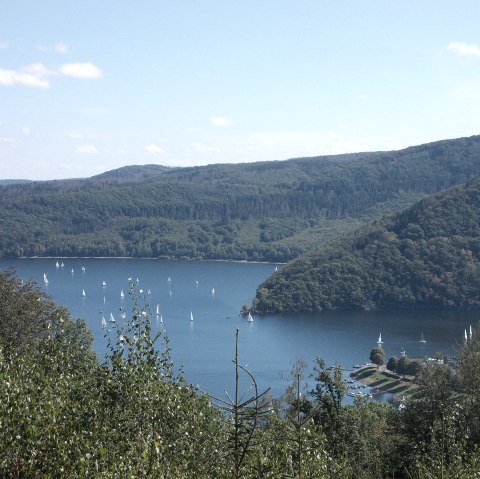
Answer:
(213, 293)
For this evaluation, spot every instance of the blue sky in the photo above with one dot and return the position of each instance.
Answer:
(90, 86)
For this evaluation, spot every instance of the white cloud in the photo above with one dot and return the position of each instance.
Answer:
(24, 78)
(464, 49)
(37, 75)
(4, 45)
(87, 70)
(203, 149)
(87, 149)
(220, 121)
(362, 96)
(25, 131)
(60, 48)
(154, 149)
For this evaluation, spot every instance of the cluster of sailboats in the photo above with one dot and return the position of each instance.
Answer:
(467, 336)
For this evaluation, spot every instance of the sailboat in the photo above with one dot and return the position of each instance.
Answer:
(169, 279)
(62, 265)
(45, 279)
(83, 268)
(83, 293)
(57, 265)
(213, 291)
(161, 319)
(466, 336)
(72, 271)
(422, 338)
(380, 339)
(122, 294)
(191, 316)
(158, 309)
(470, 333)
(250, 318)
(104, 283)
(104, 322)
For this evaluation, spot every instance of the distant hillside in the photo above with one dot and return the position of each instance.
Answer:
(133, 172)
(13, 182)
(425, 256)
(270, 211)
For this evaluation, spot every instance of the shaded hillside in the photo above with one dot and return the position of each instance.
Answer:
(425, 256)
(270, 211)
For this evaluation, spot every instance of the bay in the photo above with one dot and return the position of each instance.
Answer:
(213, 293)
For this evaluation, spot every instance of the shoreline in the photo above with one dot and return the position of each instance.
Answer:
(148, 258)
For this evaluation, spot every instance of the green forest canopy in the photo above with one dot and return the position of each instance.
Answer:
(271, 211)
(426, 256)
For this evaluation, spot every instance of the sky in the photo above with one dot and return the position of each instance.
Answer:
(93, 85)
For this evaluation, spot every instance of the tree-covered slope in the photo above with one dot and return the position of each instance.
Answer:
(425, 256)
(259, 211)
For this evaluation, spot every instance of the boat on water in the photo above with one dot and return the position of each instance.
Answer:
(379, 341)
(250, 318)
(122, 294)
(466, 336)
(45, 279)
(169, 279)
(191, 316)
(470, 334)
(213, 291)
(57, 265)
(422, 338)
(62, 265)
(104, 283)
(112, 319)
(161, 319)
(83, 293)
(158, 309)
(83, 268)
(72, 271)
(104, 322)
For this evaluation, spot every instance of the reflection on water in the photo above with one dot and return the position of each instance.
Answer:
(270, 345)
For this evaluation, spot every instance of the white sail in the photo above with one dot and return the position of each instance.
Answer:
(380, 339)
(213, 291)
(104, 283)
(250, 318)
(122, 294)
(466, 336)
(72, 271)
(470, 332)
(112, 319)
(191, 316)
(83, 293)
(161, 319)
(169, 279)
(57, 265)
(62, 265)
(45, 279)
(422, 338)
(158, 309)
(104, 322)
(83, 268)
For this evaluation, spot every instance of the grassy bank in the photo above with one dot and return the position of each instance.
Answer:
(382, 381)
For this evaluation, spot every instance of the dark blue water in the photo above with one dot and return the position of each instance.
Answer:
(205, 347)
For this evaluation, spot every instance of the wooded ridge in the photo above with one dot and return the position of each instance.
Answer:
(425, 256)
(270, 211)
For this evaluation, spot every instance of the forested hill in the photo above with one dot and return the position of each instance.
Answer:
(425, 256)
(270, 211)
